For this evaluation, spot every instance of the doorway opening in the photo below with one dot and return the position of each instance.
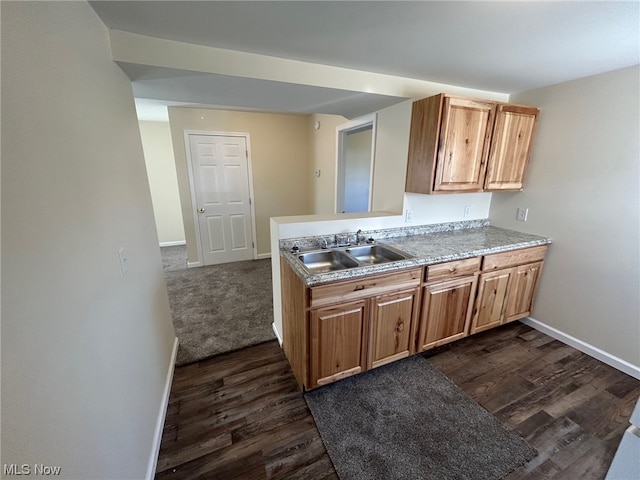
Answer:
(354, 173)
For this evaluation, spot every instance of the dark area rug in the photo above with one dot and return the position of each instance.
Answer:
(218, 308)
(406, 420)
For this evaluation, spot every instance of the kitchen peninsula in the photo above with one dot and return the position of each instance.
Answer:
(456, 279)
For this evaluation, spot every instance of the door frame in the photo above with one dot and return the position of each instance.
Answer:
(341, 135)
(196, 223)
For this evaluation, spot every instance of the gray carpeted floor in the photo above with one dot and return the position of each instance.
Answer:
(218, 308)
(406, 420)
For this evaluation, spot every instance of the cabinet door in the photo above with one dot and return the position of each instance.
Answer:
(446, 311)
(464, 145)
(523, 287)
(489, 310)
(510, 147)
(393, 322)
(337, 342)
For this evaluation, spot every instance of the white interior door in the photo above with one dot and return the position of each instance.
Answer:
(221, 193)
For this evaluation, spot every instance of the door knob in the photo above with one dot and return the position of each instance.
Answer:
(201, 210)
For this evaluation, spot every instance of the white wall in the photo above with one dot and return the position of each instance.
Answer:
(583, 191)
(163, 181)
(85, 351)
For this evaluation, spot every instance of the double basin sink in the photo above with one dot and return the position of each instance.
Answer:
(334, 259)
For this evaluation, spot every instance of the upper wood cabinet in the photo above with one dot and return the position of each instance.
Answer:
(510, 147)
(460, 144)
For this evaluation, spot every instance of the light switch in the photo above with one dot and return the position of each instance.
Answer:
(124, 265)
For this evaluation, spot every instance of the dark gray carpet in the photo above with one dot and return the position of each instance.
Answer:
(220, 308)
(407, 420)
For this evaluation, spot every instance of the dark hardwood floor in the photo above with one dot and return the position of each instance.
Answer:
(240, 415)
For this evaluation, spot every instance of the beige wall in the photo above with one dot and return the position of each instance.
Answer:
(85, 350)
(279, 155)
(583, 191)
(163, 181)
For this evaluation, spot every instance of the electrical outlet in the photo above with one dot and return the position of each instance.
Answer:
(467, 210)
(522, 214)
(408, 216)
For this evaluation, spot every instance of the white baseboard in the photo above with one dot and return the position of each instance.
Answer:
(263, 255)
(585, 347)
(173, 244)
(193, 264)
(155, 451)
(275, 331)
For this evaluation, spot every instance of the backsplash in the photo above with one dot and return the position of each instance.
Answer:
(379, 235)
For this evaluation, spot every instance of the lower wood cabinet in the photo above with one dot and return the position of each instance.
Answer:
(524, 282)
(349, 338)
(339, 329)
(393, 322)
(446, 312)
(507, 286)
(491, 302)
(337, 345)
(447, 302)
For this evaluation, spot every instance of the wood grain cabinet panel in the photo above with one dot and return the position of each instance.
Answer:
(498, 261)
(446, 312)
(450, 270)
(489, 309)
(507, 287)
(459, 144)
(464, 145)
(393, 322)
(337, 335)
(365, 287)
(510, 147)
(524, 283)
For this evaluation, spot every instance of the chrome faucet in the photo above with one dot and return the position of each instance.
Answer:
(358, 236)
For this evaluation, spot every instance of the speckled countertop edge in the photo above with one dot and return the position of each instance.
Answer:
(428, 249)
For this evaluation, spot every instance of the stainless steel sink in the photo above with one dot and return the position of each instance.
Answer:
(327, 261)
(374, 254)
(323, 261)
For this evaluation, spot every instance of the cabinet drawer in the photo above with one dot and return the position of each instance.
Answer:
(513, 258)
(363, 287)
(456, 268)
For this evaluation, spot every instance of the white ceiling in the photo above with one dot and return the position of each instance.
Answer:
(499, 46)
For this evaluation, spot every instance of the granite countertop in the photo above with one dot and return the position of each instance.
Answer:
(428, 249)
